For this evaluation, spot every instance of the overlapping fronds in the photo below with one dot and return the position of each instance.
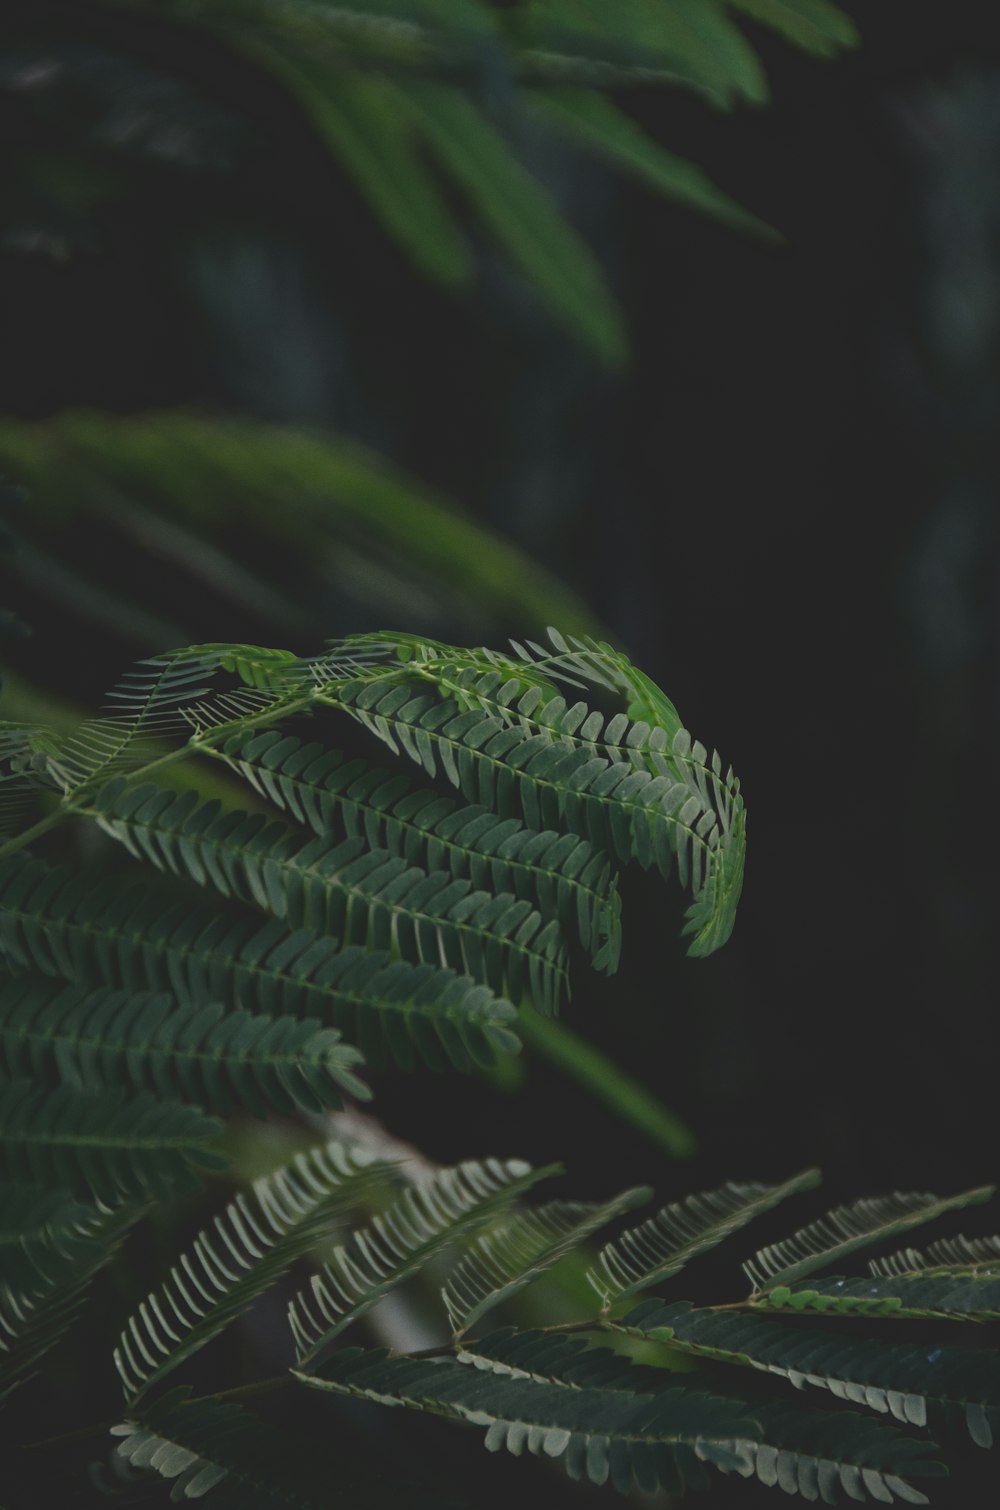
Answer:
(843, 1231)
(217, 1057)
(203, 1445)
(83, 927)
(36, 1312)
(427, 1217)
(660, 1247)
(560, 873)
(346, 890)
(501, 1263)
(973, 1297)
(899, 1379)
(600, 1434)
(648, 1440)
(103, 1144)
(245, 1251)
(535, 758)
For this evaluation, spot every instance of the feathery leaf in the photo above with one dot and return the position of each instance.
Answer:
(846, 1229)
(246, 1250)
(661, 1246)
(427, 1217)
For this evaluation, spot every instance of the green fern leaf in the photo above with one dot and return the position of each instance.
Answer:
(562, 875)
(660, 1247)
(215, 1445)
(35, 1221)
(958, 1255)
(102, 1144)
(502, 1262)
(517, 757)
(347, 890)
(939, 1296)
(244, 1253)
(846, 1229)
(597, 1433)
(830, 1455)
(895, 1379)
(83, 927)
(428, 1217)
(35, 1314)
(206, 1054)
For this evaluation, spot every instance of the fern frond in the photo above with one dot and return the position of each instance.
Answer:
(245, 1251)
(502, 1262)
(560, 874)
(832, 1455)
(846, 1229)
(655, 1440)
(597, 1433)
(102, 1144)
(147, 705)
(687, 814)
(217, 1057)
(204, 1445)
(35, 1221)
(428, 1217)
(895, 1379)
(34, 1315)
(939, 1296)
(958, 1255)
(82, 927)
(660, 1247)
(555, 1358)
(363, 896)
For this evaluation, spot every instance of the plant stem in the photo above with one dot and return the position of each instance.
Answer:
(607, 1081)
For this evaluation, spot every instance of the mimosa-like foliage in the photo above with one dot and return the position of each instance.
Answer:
(248, 955)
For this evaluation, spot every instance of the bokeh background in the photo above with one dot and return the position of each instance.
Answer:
(783, 505)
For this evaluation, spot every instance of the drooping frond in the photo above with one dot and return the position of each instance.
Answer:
(501, 1263)
(956, 1254)
(660, 1247)
(559, 873)
(216, 1445)
(893, 1378)
(217, 1057)
(535, 757)
(245, 1251)
(36, 1313)
(555, 1358)
(102, 1143)
(346, 890)
(656, 1440)
(846, 1229)
(427, 1217)
(939, 1295)
(82, 927)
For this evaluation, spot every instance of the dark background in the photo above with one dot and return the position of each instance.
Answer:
(786, 511)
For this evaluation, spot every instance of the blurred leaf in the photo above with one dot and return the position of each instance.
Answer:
(590, 118)
(814, 25)
(520, 214)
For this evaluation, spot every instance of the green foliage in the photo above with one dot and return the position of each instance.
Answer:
(247, 955)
